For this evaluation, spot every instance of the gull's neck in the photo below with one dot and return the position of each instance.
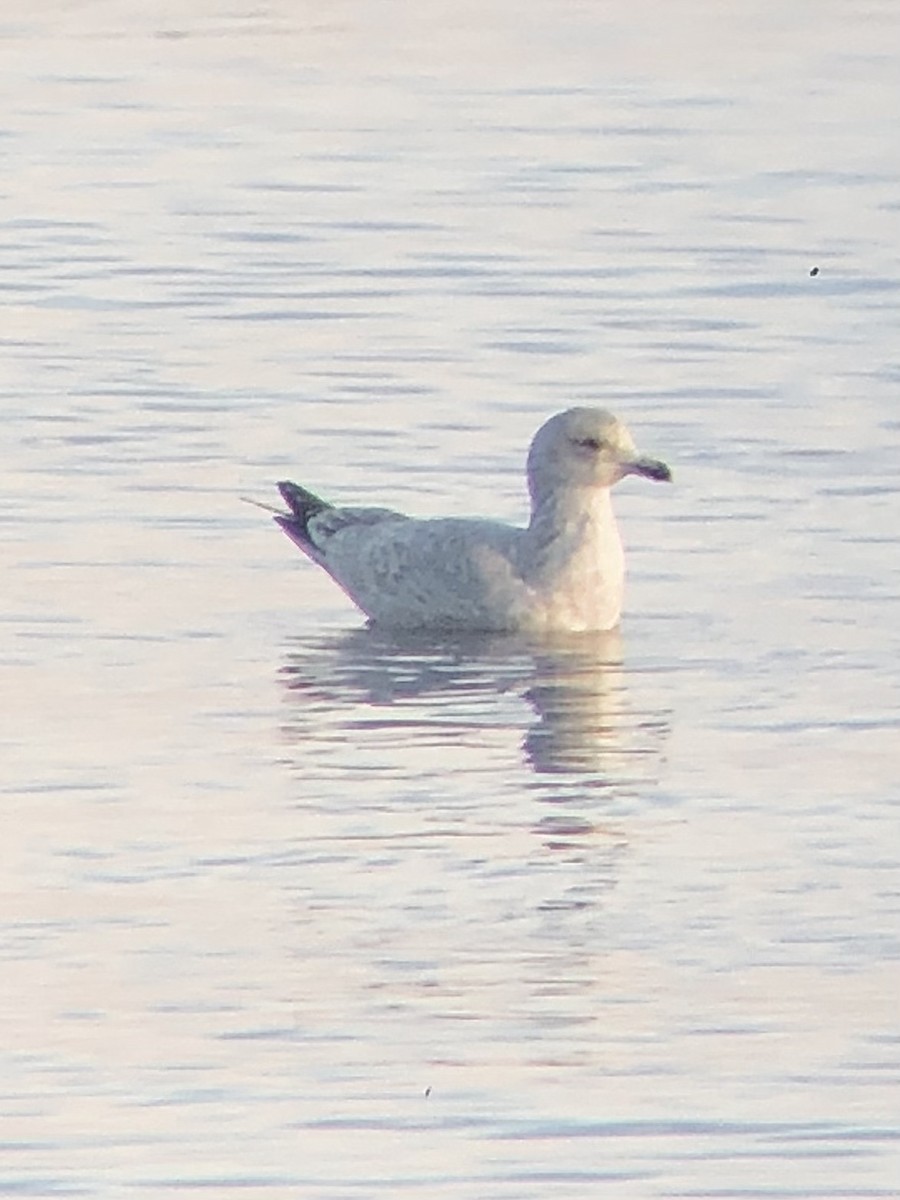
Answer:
(573, 556)
(571, 513)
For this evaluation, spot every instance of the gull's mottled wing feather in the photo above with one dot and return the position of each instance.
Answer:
(448, 571)
(331, 521)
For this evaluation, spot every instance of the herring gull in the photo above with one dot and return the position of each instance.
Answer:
(564, 572)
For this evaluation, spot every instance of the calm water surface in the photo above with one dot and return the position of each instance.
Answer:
(294, 909)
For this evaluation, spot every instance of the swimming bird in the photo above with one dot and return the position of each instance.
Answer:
(565, 571)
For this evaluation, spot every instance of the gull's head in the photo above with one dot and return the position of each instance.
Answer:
(585, 448)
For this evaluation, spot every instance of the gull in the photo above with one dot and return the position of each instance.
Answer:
(563, 572)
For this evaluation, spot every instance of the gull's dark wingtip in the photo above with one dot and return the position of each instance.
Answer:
(302, 502)
(303, 505)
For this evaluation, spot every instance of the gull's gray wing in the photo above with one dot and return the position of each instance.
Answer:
(442, 573)
(400, 571)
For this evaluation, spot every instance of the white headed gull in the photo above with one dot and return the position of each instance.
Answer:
(564, 572)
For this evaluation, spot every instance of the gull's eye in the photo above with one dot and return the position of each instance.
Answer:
(589, 443)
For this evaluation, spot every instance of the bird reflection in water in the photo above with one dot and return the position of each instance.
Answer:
(469, 727)
(577, 691)
(583, 727)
